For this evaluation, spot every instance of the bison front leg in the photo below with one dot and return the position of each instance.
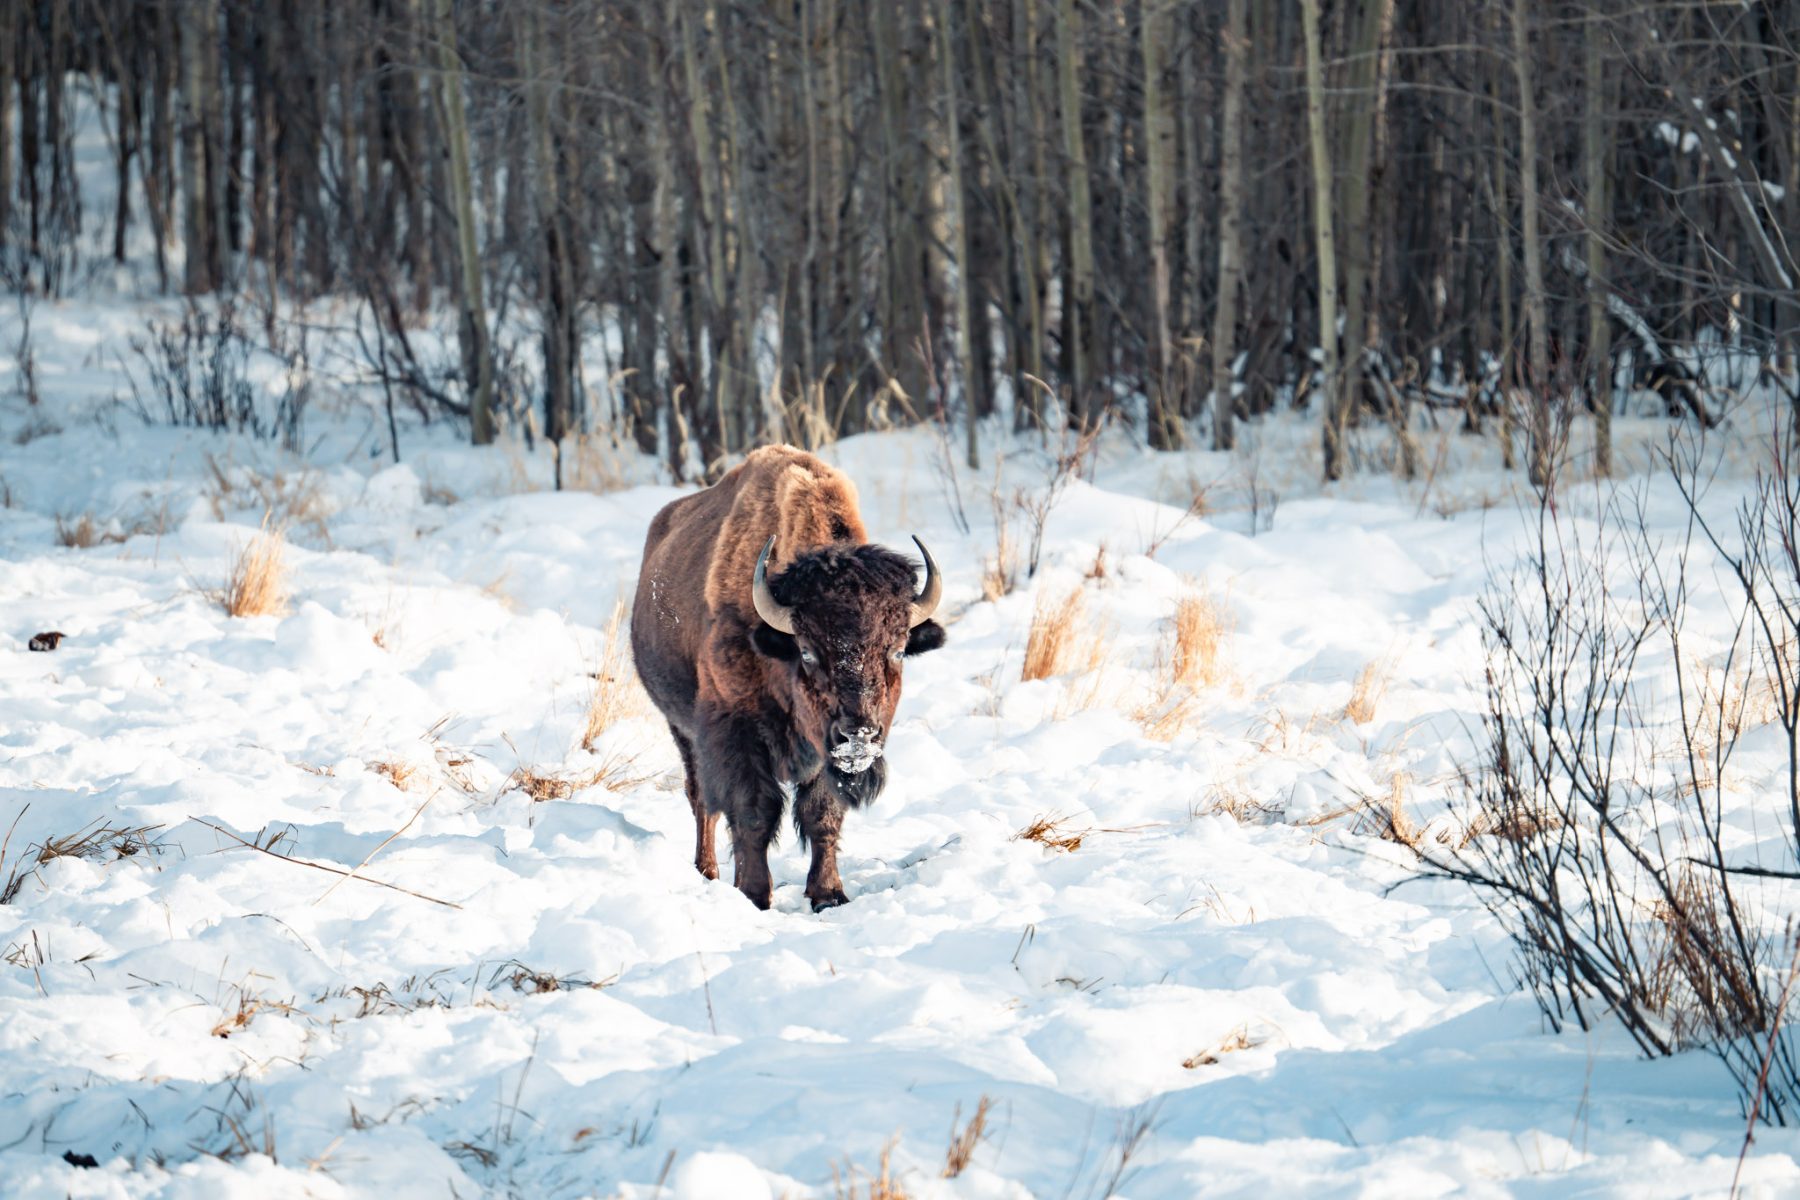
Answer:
(735, 779)
(706, 858)
(819, 815)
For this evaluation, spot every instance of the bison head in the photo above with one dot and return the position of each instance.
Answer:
(843, 619)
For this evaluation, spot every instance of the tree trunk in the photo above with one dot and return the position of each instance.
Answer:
(478, 363)
(1079, 299)
(197, 232)
(1596, 149)
(965, 356)
(9, 79)
(555, 285)
(1157, 32)
(1536, 307)
(1231, 223)
(1335, 418)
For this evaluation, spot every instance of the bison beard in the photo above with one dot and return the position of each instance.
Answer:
(770, 634)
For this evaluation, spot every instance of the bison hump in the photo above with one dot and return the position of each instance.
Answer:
(805, 502)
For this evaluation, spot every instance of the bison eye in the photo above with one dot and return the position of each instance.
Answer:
(896, 655)
(808, 657)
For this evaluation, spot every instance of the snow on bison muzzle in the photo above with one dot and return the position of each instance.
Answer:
(771, 634)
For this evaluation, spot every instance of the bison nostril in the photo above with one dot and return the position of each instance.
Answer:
(856, 747)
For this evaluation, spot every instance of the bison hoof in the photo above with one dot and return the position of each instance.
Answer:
(830, 899)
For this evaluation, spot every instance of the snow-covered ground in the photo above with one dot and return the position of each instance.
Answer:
(1230, 986)
(1220, 991)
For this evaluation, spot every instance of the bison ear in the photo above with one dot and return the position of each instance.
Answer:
(772, 643)
(925, 636)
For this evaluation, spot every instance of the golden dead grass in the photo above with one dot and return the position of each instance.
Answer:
(616, 695)
(1235, 802)
(1053, 832)
(963, 1141)
(1196, 635)
(593, 462)
(1389, 817)
(1367, 692)
(853, 1183)
(287, 499)
(1238, 1039)
(81, 533)
(617, 773)
(1060, 640)
(258, 583)
(1189, 658)
(1000, 573)
(402, 775)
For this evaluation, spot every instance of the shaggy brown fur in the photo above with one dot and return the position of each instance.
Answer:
(754, 711)
(804, 502)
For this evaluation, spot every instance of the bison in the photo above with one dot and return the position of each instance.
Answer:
(771, 635)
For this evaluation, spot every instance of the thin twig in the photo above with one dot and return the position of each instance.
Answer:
(354, 871)
(305, 862)
(1762, 1076)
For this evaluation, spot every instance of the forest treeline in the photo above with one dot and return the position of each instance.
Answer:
(727, 220)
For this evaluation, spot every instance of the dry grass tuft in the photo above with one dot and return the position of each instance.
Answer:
(1099, 569)
(401, 774)
(1238, 1039)
(593, 462)
(617, 694)
(542, 787)
(617, 773)
(258, 583)
(1387, 817)
(95, 842)
(98, 840)
(1059, 641)
(1365, 695)
(287, 500)
(1196, 634)
(963, 1142)
(1000, 573)
(522, 978)
(855, 1184)
(1053, 832)
(1237, 804)
(81, 533)
(1189, 658)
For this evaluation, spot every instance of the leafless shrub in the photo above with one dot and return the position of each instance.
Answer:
(195, 372)
(1616, 885)
(25, 354)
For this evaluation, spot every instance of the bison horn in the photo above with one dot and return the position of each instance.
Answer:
(775, 616)
(926, 602)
